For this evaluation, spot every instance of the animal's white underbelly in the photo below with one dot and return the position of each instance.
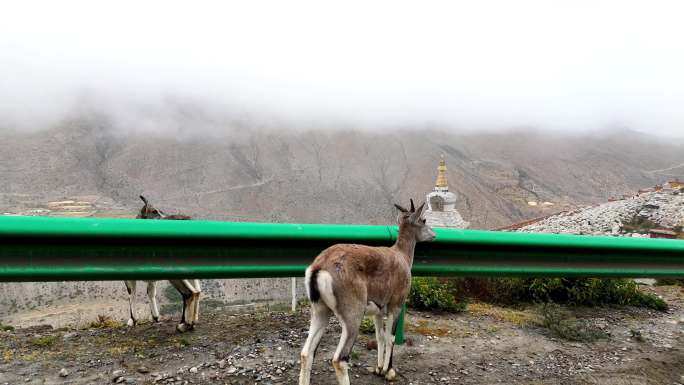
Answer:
(372, 309)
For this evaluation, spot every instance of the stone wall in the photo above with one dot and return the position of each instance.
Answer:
(77, 303)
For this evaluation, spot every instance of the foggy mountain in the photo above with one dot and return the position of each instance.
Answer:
(327, 176)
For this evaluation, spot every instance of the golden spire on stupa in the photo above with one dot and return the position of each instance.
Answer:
(441, 174)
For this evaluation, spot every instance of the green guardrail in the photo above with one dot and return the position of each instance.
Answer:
(94, 249)
(85, 249)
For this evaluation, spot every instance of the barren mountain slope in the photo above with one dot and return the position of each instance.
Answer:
(325, 176)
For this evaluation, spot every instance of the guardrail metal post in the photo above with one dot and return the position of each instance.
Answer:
(294, 294)
(399, 337)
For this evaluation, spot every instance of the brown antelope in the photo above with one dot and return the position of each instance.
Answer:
(350, 280)
(189, 289)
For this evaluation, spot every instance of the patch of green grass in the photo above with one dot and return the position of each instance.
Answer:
(183, 342)
(44, 341)
(6, 328)
(561, 324)
(517, 317)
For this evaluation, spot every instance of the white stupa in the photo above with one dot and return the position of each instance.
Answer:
(441, 202)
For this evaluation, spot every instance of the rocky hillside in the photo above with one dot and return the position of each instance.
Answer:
(333, 175)
(633, 216)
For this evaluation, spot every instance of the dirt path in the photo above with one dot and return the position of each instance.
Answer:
(486, 345)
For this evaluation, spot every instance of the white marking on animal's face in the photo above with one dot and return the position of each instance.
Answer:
(426, 234)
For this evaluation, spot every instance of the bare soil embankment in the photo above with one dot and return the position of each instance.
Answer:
(485, 345)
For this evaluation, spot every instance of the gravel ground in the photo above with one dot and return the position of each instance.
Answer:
(485, 345)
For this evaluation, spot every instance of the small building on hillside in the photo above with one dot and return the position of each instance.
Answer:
(441, 210)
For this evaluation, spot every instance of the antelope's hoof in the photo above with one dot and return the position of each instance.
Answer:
(378, 371)
(184, 327)
(131, 322)
(391, 375)
(155, 319)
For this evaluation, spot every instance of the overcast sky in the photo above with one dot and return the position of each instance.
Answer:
(572, 65)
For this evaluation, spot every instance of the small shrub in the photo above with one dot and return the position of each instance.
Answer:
(571, 291)
(638, 225)
(563, 325)
(429, 293)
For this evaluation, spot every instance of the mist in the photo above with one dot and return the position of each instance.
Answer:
(577, 67)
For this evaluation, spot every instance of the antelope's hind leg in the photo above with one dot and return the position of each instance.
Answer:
(186, 291)
(350, 330)
(320, 316)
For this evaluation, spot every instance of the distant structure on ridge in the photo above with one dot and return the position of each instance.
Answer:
(441, 202)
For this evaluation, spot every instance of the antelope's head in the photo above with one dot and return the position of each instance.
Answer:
(149, 212)
(414, 223)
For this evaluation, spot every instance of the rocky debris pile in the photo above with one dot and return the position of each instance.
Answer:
(664, 209)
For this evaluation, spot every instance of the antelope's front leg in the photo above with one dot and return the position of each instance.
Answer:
(196, 303)
(380, 340)
(390, 331)
(152, 295)
(130, 287)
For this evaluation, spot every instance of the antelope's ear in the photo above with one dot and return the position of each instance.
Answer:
(403, 210)
(413, 208)
(416, 215)
(143, 199)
